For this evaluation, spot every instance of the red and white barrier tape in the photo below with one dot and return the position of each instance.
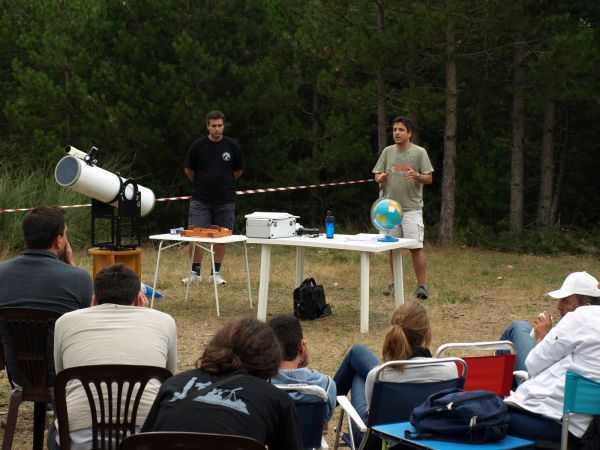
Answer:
(86, 205)
(246, 192)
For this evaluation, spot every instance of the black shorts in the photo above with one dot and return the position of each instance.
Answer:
(204, 215)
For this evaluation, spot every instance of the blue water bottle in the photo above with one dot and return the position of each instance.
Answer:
(329, 225)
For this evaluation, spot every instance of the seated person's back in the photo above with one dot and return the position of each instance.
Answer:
(293, 368)
(116, 330)
(407, 338)
(44, 277)
(228, 393)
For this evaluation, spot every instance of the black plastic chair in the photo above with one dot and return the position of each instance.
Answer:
(174, 440)
(27, 330)
(114, 392)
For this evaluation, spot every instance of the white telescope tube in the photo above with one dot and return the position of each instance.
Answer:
(75, 174)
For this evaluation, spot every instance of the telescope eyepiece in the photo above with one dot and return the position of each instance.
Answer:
(90, 158)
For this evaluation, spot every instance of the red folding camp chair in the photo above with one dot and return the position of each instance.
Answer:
(489, 372)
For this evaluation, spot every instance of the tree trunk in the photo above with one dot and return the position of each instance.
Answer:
(517, 168)
(413, 114)
(546, 167)
(315, 116)
(561, 163)
(381, 116)
(562, 160)
(446, 231)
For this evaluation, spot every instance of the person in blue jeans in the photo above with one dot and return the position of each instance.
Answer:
(408, 338)
(536, 406)
(578, 289)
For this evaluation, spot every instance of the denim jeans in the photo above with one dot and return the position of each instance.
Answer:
(518, 333)
(533, 426)
(352, 374)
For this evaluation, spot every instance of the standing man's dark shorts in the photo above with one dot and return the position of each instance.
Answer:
(203, 215)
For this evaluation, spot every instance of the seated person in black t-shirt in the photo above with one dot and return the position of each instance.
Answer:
(237, 363)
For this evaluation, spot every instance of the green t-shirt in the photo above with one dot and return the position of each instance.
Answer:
(394, 161)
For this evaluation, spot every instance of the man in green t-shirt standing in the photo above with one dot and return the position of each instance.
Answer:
(401, 171)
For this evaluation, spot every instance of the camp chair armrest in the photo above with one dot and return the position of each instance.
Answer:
(483, 345)
(423, 362)
(352, 413)
(521, 375)
(305, 389)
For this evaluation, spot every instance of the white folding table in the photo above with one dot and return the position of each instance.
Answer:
(363, 243)
(205, 243)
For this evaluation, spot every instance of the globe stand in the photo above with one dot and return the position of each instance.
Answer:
(387, 238)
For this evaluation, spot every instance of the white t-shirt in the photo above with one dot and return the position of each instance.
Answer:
(113, 334)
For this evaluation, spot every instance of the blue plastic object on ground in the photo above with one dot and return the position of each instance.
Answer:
(147, 290)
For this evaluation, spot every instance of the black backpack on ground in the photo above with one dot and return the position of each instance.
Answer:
(309, 300)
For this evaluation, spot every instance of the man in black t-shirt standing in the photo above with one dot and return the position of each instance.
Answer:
(213, 164)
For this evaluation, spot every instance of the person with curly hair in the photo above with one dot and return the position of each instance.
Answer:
(229, 392)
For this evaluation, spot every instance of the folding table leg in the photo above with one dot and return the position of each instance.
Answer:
(156, 273)
(248, 275)
(263, 287)
(212, 260)
(187, 287)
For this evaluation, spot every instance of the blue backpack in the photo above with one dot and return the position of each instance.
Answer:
(460, 416)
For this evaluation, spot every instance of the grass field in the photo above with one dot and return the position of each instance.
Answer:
(473, 296)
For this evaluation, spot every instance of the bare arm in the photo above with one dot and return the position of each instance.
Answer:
(190, 174)
(381, 177)
(423, 178)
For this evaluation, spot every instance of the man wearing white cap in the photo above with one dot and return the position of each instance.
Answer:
(572, 345)
(578, 289)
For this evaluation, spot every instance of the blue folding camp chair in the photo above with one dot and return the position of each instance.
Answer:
(310, 415)
(582, 396)
(393, 402)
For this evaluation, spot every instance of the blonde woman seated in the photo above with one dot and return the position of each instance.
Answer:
(408, 338)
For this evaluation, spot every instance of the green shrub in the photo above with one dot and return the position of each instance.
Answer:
(24, 186)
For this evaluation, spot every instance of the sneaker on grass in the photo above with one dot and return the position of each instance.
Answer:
(192, 278)
(217, 278)
(389, 290)
(422, 293)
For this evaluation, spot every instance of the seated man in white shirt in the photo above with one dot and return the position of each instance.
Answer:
(536, 406)
(578, 289)
(117, 329)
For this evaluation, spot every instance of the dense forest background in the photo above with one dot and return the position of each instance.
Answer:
(505, 96)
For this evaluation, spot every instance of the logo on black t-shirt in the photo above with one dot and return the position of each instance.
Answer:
(226, 156)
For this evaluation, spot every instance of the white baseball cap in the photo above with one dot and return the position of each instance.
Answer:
(577, 283)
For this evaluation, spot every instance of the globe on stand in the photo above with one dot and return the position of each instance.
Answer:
(386, 216)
